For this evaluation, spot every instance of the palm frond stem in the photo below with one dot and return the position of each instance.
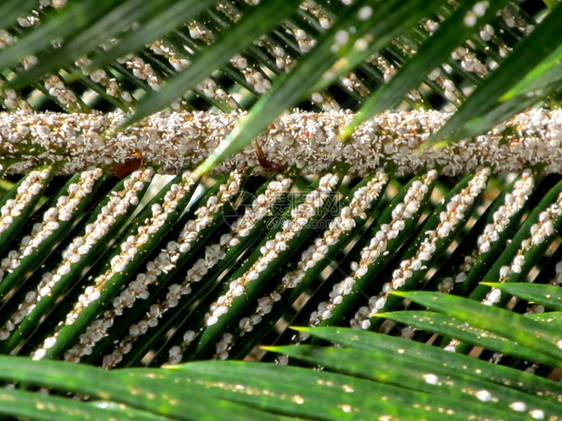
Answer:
(177, 141)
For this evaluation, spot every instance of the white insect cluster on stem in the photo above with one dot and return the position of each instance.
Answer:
(177, 141)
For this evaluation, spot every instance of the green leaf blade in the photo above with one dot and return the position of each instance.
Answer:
(549, 296)
(451, 33)
(440, 382)
(370, 341)
(261, 19)
(527, 332)
(528, 54)
(389, 19)
(450, 327)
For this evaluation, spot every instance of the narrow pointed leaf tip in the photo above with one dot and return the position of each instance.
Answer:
(535, 335)
(548, 295)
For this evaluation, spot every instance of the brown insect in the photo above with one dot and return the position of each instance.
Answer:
(134, 163)
(266, 165)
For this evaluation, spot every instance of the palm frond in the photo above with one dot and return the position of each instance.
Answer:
(363, 377)
(236, 257)
(183, 180)
(310, 54)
